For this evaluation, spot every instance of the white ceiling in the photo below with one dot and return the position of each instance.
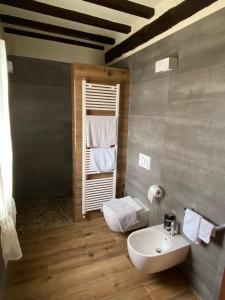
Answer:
(26, 46)
(100, 11)
(91, 9)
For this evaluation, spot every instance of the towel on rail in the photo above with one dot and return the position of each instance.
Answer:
(191, 225)
(101, 131)
(103, 159)
(206, 230)
(126, 214)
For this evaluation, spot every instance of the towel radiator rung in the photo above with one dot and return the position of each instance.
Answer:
(104, 98)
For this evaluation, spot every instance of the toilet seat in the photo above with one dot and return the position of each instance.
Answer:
(128, 200)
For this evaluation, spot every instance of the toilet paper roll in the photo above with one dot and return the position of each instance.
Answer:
(154, 191)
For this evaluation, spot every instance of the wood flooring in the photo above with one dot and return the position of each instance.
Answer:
(86, 261)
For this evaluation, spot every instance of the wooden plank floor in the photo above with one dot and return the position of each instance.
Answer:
(86, 261)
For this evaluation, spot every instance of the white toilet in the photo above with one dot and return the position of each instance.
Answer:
(112, 220)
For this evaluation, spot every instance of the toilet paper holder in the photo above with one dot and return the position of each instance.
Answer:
(155, 192)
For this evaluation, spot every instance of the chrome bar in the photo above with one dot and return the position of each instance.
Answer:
(220, 227)
(217, 227)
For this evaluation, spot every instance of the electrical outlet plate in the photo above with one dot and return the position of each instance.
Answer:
(144, 161)
(10, 66)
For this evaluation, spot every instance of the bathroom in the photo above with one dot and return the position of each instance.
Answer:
(174, 117)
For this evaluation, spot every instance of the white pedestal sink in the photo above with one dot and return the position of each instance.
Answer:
(153, 249)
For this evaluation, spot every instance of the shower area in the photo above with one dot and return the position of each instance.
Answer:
(41, 123)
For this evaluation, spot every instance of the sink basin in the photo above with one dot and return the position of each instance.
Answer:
(153, 249)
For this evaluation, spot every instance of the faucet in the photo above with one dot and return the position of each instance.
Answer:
(173, 227)
(170, 223)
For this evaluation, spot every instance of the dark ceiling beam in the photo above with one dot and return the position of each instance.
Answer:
(42, 36)
(56, 29)
(67, 14)
(169, 19)
(126, 6)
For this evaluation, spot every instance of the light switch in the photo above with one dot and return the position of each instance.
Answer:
(144, 161)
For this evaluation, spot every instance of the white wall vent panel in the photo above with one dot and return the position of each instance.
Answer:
(166, 64)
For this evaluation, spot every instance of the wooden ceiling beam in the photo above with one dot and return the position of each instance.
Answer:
(42, 36)
(67, 14)
(169, 19)
(126, 6)
(56, 29)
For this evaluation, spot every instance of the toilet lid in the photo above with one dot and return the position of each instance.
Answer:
(131, 201)
(128, 200)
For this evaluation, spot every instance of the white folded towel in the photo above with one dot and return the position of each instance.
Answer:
(103, 159)
(126, 214)
(205, 231)
(191, 225)
(101, 131)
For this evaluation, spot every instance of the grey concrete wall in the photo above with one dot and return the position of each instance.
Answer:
(41, 118)
(3, 272)
(178, 119)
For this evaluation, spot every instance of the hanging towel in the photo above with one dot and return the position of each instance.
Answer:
(205, 231)
(103, 159)
(101, 131)
(191, 225)
(126, 214)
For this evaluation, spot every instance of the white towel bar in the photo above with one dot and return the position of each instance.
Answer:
(97, 97)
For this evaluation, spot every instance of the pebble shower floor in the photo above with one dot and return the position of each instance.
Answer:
(35, 215)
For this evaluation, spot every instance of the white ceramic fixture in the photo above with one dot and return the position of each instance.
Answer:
(153, 249)
(112, 219)
(144, 161)
(166, 64)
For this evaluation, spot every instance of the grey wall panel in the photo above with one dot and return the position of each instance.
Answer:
(41, 122)
(178, 119)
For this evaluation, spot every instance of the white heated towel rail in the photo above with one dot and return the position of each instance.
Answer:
(95, 98)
